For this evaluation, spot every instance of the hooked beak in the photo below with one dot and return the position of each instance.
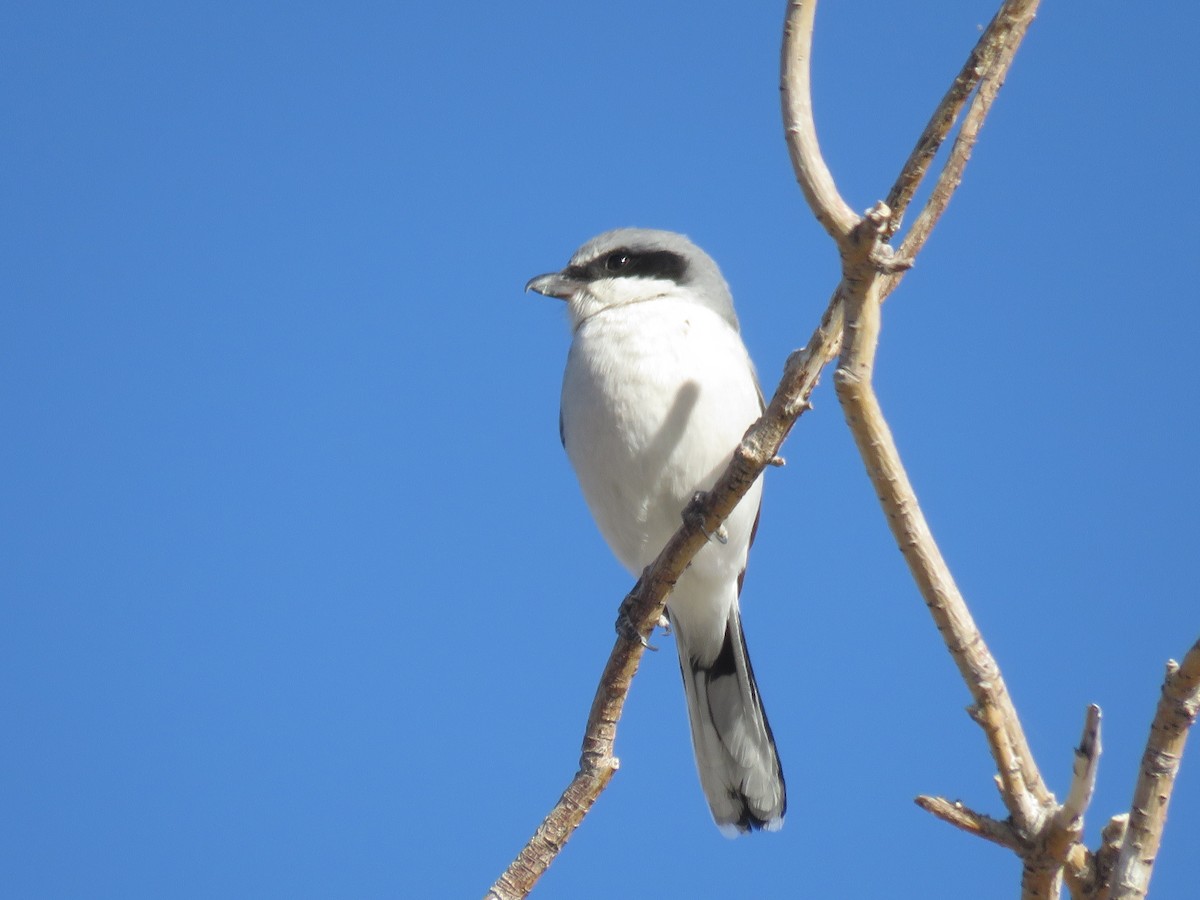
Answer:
(554, 284)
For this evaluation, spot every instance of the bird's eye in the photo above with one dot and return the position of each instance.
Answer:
(617, 260)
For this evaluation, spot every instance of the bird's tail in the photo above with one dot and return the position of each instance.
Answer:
(735, 750)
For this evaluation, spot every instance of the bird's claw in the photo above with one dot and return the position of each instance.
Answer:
(692, 516)
(626, 627)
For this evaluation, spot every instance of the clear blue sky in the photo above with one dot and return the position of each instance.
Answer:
(298, 595)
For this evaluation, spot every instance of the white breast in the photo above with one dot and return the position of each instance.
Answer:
(655, 397)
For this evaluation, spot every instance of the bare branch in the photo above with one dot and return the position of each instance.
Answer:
(1058, 851)
(1024, 792)
(988, 64)
(991, 57)
(795, 89)
(1031, 806)
(972, 822)
(1177, 709)
(1112, 836)
(997, 36)
(1083, 773)
(521, 875)
(1080, 872)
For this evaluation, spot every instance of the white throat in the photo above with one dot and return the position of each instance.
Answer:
(612, 293)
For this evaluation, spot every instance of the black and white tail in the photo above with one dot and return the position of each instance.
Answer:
(735, 751)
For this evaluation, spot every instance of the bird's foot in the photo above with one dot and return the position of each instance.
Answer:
(626, 627)
(692, 516)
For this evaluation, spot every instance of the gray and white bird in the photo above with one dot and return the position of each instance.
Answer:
(658, 391)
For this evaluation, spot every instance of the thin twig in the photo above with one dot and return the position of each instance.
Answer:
(795, 91)
(991, 56)
(1083, 772)
(1177, 710)
(995, 51)
(982, 59)
(972, 822)
(1058, 852)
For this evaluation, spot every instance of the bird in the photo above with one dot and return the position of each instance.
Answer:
(658, 391)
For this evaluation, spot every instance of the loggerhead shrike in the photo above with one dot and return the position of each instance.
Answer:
(658, 391)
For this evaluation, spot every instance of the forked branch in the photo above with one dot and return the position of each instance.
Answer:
(1043, 833)
(1046, 835)
(866, 275)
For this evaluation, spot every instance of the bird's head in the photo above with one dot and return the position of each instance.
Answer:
(635, 265)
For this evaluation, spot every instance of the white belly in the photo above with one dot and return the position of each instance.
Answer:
(656, 396)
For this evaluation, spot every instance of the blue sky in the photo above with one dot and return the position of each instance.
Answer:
(298, 594)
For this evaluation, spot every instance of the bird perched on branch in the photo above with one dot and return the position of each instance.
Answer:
(658, 391)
